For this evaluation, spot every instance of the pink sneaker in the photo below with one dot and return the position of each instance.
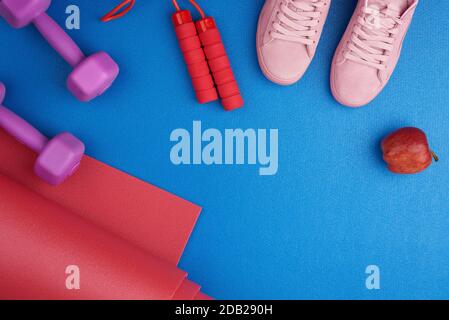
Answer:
(369, 51)
(287, 36)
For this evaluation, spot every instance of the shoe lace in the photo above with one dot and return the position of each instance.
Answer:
(373, 36)
(296, 20)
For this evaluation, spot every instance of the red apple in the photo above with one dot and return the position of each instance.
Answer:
(407, 151)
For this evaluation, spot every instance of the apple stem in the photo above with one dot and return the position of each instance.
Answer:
(435, 157)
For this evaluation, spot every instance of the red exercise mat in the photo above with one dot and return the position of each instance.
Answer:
(40, 239)
(146, 216)
(125, 235)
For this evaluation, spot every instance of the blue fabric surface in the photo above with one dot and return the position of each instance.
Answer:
(333, 208)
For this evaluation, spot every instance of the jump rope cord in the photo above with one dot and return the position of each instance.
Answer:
(194, 3)
(118, 11)
(124, 7)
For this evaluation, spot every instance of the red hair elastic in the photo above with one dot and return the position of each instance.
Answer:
(200, 42)
(119, 11)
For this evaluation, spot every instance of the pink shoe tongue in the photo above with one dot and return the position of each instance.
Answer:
(393, 7)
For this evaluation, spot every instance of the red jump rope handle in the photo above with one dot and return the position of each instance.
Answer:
(194, 57)
(219, 64)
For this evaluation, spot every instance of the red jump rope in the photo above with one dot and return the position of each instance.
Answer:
(204, 52)
(194, 56)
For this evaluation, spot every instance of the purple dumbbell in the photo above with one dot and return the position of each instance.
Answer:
(58, 158)
(91, 76)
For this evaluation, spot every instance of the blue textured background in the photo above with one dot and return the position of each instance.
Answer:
(332, 209)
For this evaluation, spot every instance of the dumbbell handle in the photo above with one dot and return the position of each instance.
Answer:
(59, 39)
(22, 130)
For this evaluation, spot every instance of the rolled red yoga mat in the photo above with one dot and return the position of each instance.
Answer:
(125, 235)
